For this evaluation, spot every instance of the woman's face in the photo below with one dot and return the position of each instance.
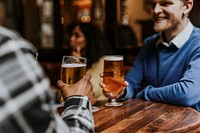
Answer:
(77, 39)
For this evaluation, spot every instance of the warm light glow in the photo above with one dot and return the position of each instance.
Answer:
(62, 20)
(82, 3)
(85, 19)
(39, 3)
(62, 2)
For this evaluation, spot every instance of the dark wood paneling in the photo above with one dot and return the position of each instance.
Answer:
(195, 13)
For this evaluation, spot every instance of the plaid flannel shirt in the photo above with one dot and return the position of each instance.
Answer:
(26, 100)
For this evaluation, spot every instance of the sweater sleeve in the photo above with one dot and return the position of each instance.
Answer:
(185, 92)
(135, 77)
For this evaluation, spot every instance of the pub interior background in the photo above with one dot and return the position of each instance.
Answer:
(44, 22)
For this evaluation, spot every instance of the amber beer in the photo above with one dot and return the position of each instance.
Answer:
(72, 70)
(71, 73)
(113, 74)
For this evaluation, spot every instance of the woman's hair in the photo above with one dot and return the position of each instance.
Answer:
(97, 44)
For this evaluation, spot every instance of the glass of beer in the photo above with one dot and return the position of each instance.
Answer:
(113, 78)
(72, 70)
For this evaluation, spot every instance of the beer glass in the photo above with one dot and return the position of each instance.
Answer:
(113, 78)
(72, 70)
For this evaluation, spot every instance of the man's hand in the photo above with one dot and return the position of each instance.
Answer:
(108, 94)
(82, 88)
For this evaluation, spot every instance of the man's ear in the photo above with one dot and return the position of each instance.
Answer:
(188, 6)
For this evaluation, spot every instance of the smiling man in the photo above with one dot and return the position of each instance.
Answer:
(169, 62)
(170, 16)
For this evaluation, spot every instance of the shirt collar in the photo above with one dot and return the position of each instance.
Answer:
(181, 38)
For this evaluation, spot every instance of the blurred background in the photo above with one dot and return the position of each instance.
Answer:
(44, 22)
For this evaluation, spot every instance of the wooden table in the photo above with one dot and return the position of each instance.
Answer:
(145, 116)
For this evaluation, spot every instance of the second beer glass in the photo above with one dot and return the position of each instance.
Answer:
(113, 78)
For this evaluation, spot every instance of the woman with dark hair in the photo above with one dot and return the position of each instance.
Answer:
(88, 41)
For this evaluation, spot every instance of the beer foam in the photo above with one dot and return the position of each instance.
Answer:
(73, 65)
(113, 58)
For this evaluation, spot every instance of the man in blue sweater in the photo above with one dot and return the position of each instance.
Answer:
(169, 62)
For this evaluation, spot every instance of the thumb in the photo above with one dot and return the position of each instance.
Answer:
(87, 76)
(61, 84)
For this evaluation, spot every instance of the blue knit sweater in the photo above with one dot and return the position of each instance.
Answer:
(171, 75)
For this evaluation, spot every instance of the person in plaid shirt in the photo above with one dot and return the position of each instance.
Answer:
(26, 100)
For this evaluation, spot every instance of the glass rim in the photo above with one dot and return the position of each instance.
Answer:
(113, 57)
(71, 60)
(76, 57)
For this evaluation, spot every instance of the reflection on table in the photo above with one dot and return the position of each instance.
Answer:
(146, 116)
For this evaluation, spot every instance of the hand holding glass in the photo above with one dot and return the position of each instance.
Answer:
(113, 78)
(72, 70)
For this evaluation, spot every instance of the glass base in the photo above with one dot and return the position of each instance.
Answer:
(113, 104)
(94, 108)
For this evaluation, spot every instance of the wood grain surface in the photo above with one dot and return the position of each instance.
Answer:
(146, 117)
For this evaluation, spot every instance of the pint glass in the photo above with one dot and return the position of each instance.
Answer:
(72, 70)
(113, 78)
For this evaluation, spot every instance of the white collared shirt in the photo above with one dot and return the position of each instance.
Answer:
(181, 38)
